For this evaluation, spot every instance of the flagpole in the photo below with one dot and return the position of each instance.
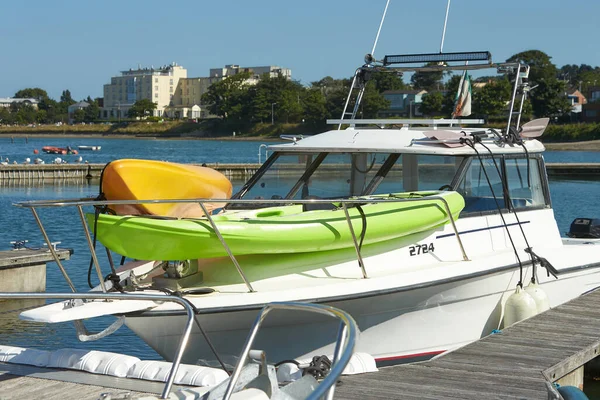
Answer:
(444, 30)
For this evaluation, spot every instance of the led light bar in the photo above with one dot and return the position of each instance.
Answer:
(438, 57)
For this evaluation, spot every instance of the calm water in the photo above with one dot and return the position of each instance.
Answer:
(571, 199)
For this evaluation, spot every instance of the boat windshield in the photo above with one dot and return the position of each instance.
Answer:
(342, 175)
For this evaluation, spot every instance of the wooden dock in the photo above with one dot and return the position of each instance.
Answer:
(32, 174)
(520, 362)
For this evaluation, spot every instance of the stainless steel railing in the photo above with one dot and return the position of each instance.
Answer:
(344, 347)
(128, 296)
(80, 203)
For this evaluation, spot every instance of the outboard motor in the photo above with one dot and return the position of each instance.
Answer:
(585, 228)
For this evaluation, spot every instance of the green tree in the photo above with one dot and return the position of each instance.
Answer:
(431, 103)
(492, 99)
(549, 97)
(6, 117)
(79, 116)
(32, 93)
(142, 108)
(427, 80)
(372, 102)
(549, 100)
(315, 110)
(260, 107)
(541, 68)
(92, 111)
(66, 98)
(387, 81)
(226, 98)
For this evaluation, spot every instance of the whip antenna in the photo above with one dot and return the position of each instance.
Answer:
(380, 25)
(444, 30)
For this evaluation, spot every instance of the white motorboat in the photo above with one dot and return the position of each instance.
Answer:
(89, 148)
(413, 297)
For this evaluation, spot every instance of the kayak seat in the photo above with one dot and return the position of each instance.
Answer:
(317, 206)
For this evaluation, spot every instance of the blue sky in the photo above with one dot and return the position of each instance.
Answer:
(79, 45)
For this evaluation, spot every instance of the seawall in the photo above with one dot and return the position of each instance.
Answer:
(33, 173)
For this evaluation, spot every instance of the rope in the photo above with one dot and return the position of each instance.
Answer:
(471, 143)
(208, 341)
(319, 367)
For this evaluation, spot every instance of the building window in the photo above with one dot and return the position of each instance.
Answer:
(591, 113)
(170, 81)
(156, 95)
(155, 87)
(155, 80)
(171, 89)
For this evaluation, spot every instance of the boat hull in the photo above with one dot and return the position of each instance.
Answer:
(407, 325)
(273, 230)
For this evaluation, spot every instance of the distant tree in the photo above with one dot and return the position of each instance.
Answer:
(549, 97)
(92, 111)
(549, 100)
(260, 107)
(290, 106)
(432, 103)
(227, 97)
(142, 108)
(314, 106)
(372, 102)
(6, 117)
(387, 81)
(32, 93)
(426, 80)
(79, 116)
(492, 99)
(25, 114)
(540, 64)
(66, 98)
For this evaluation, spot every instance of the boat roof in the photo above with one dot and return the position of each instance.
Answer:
(408, 140)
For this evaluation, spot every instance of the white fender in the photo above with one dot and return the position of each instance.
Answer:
(519, 306)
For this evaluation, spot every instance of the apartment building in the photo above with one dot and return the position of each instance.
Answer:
(6, 102)
(155, 84)
(175, 95)
(187, 100)
(256, 72)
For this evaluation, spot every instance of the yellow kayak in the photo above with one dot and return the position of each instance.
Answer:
(131, 179)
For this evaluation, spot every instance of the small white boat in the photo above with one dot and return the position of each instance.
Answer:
(89, 148)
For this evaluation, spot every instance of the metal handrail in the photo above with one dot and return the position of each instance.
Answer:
(129, 296)
(346, 340)
(91, 202)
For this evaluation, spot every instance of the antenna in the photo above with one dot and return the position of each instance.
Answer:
(380, 25)
(444, 30)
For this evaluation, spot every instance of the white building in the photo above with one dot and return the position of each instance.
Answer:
(256, 72)
(8, 101)
(155, 84)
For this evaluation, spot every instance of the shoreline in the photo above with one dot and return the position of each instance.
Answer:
(589, 145)
(117, 136)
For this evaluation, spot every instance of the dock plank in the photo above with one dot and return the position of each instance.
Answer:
(519, 362)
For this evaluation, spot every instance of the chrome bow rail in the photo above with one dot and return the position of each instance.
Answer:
(344, 347)
(124, 296)
(346, 338)
(343, 203)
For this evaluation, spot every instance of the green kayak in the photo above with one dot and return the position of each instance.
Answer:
(273, 230)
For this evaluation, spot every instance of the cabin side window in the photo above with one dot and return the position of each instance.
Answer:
(523, 182)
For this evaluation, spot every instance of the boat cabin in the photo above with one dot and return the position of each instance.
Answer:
(363, 162)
